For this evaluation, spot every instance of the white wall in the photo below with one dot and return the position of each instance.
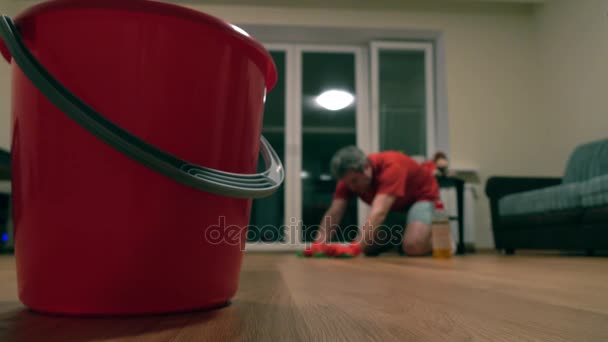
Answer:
(573, 45)
(4, 105)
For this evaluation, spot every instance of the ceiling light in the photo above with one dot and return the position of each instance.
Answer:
(335, 99)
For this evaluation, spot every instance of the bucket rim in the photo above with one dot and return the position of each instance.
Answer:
(256, 51)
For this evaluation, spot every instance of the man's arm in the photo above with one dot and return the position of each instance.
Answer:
(332, 216)
(381, 205)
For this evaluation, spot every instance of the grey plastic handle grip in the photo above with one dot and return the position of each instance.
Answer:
(195, 176)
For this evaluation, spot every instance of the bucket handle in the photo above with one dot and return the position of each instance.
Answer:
(199, 177)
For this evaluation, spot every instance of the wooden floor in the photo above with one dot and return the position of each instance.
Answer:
(284, 298)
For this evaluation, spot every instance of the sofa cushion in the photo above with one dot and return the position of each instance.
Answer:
(553, 198)
(587, 161)
(595, 192)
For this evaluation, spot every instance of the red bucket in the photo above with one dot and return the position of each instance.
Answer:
(115, 105)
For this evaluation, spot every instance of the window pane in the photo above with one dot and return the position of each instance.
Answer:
(267, 214)
(323, 133)
(402, 101)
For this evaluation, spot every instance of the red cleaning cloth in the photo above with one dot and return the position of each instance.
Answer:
(340, 250)
(315, 248)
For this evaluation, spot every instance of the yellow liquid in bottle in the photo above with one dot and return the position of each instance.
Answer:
(442, 239)
(442, 253)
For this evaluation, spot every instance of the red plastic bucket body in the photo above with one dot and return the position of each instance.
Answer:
(96, 232)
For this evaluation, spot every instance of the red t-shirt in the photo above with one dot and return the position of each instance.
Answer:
(396, 174)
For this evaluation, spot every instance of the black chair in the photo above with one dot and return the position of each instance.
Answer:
(458, 184)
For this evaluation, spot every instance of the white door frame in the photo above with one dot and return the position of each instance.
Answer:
(290, 158)
(429, 58)
(293, 135)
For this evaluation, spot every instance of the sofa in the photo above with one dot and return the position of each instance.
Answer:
(567, 213)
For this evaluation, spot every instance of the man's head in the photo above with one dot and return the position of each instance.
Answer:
(351, 166)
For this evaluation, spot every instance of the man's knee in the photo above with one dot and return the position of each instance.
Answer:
(416, 247)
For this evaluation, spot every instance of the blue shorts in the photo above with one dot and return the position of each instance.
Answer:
(421, 212)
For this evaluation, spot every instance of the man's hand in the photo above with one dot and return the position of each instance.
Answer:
(330, 219)
(381, 205)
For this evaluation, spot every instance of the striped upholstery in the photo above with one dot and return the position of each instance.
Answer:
(587, 161)
(553, 198)
(585, 184)
(595, 192)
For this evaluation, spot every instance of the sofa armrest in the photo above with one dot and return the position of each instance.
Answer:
(498, 187)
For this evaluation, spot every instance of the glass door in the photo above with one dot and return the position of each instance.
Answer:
(403, 100)
(329, 101)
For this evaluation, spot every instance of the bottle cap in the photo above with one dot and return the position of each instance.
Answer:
(439, 205)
